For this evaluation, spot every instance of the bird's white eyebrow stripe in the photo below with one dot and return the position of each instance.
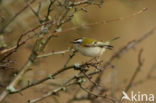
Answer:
(79, 40)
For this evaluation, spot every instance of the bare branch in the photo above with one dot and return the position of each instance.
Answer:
(57, 90)
(120, 52)
(89, 92)
(44, 37)
(36, 13)
(70, 57)
(140, 64)
(54, 53)
(102, 22)
(49, 9)
(14, 17)
(13, 49)
(20, 43)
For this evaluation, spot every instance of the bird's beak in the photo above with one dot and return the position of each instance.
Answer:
(73, 42)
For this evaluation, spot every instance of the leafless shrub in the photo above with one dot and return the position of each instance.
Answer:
(43, 36)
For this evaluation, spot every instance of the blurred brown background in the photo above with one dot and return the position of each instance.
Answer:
(127, 30)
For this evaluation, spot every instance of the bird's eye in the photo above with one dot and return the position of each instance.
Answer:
(95, 42)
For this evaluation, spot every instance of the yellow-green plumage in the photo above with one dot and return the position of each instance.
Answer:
(91, 47)
(88, 47)
(87, 41)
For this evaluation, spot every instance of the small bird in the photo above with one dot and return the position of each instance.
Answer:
(92, 48)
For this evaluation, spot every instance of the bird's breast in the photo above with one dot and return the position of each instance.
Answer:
(92, 51)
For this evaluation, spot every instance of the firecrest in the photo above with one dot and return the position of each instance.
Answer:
(92, 48)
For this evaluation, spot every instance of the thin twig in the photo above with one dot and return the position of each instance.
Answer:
(102, 22)
(70, 57)
(89, 92)
(96, 95)
(36, 13)
(148, 77)
(140, 64)
(49, 9)
(14, 17)
(151, 71)
(13, 49)
(55, 91)
(43, 80)
(54, 53)
(94, 83)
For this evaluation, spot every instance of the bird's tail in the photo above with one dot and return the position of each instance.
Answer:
(107, 43)
(114, 39)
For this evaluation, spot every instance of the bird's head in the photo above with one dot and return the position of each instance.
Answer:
(78, 41)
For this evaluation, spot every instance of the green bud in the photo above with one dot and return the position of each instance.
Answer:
(58, 30)
(10, 89)
(77, 65)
